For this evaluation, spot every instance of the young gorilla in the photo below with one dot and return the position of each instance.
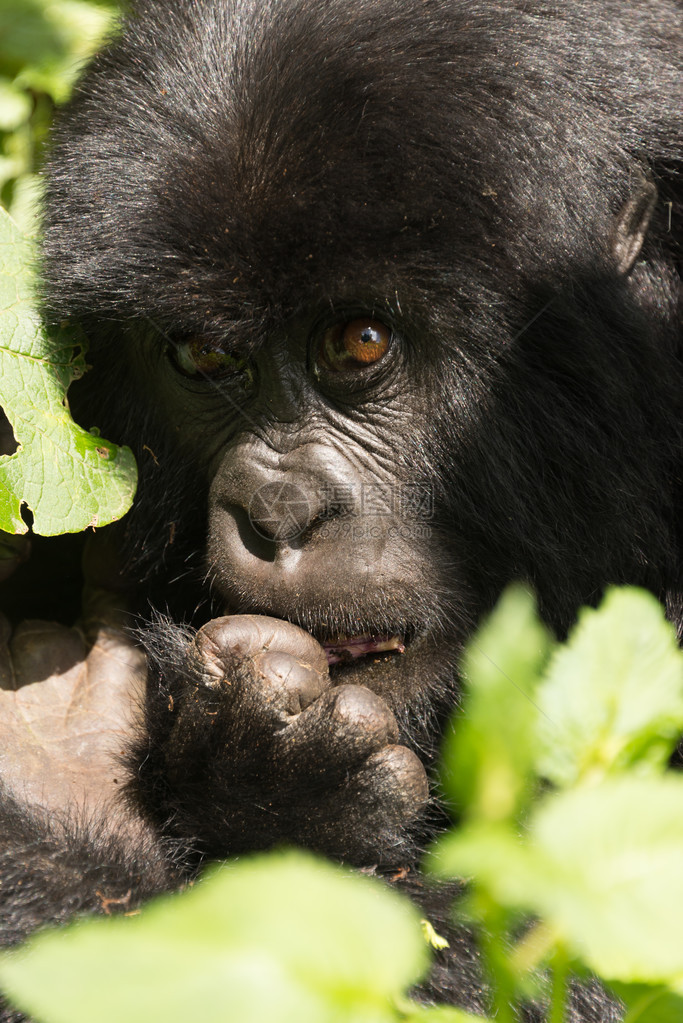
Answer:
(384, 296)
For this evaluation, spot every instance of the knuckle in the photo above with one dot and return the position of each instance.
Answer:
(403, 770)
(362, 710)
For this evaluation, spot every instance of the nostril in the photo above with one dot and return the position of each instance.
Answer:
(252, 540)
(281, 511)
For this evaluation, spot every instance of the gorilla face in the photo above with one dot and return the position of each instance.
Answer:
(382, 297)
(313, 445)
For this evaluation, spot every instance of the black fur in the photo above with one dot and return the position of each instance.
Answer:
(476, 174)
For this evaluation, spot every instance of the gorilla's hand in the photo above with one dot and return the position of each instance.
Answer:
(68, 711)
(71, 704)
(251, 745)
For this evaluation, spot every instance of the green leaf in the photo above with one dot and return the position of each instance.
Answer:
(615, 884)
(602, 867)
(491, 854)
(69, 478)
(276, 938)
(613, 696)
(46, 42)
(25, 36)
(488, 749)
(15, 105)
(647, 1004)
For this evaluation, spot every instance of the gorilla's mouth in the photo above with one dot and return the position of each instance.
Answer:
(344, 649)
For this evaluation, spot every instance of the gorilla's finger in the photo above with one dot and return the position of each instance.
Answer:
(238, 637)
(336, 733)
(266, 669)
(378, 803)
(394, 778)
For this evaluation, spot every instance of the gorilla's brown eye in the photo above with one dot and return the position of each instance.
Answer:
(354, 345)
(202, 357)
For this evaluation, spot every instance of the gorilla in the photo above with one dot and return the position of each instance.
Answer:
(384, 296)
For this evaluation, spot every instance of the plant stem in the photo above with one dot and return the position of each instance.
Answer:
(560, 988)
(492, 941)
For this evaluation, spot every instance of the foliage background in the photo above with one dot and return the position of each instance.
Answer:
(43, 45)
(57, 468)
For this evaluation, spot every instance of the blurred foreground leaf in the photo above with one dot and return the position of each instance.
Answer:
(488, 750)
(276, 938)
(600, 865)
(648, 1004)
(596, 859)
(613, 696)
